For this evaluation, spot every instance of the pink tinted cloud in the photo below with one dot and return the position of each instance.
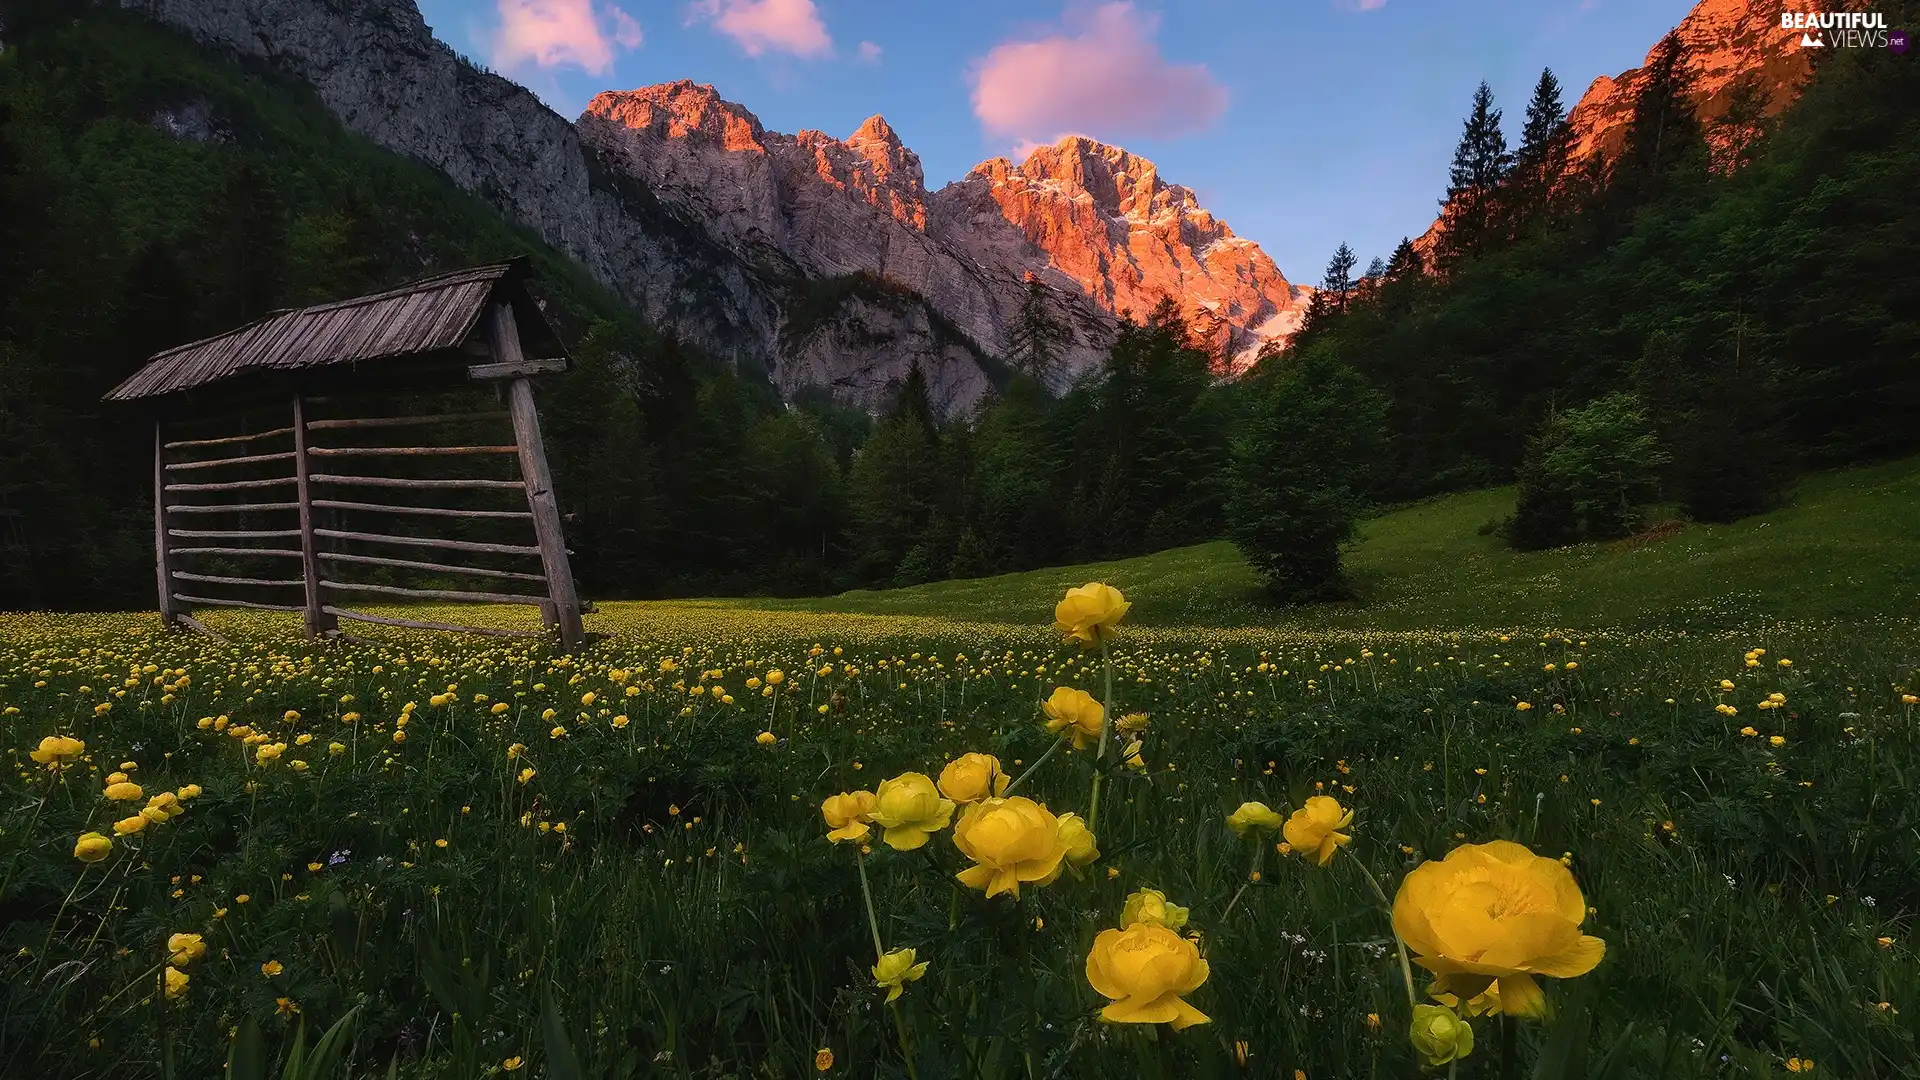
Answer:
(553, 33)
(762, 26)
(1103, 74)
(870, 52)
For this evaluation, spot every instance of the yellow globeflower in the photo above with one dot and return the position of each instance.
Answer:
(1075, 712)
(847, 815)
(1082, 847)
(909, 807)
(123, 791)
(176, 982)
(1314, 828)
(92, 847)
(1150, 906)
(1254, 817)
(970, 778)
(1440, 1036)
(1010, 841)
(184, 949)
(1144, 969)
(1496, 914)
(56, 751)
(895, 970)
(1088, 614)
(766, 738)
(127, 826)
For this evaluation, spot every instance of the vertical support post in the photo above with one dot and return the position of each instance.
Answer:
(162, 549)
(317, 621)
(504, 339)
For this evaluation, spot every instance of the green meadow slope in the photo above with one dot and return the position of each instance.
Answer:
(1845, 547)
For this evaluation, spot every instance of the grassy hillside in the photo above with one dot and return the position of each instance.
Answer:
(1846, 546)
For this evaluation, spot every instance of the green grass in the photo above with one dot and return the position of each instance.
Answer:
(1847, 546)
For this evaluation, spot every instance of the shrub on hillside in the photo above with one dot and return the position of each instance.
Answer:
(1587, 474)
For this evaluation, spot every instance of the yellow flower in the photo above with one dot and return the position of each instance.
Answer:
(1077, 712)
(1082, 847)
(895, 970)
(513, 1064)
(56, 750)
(847, 815)
(909, 807)
(1143, 970)
(1799, 1065)
(188, 791)
(970, 778)
(1440, 1036)
(1253, 818)
(1496, 913)
(1132, 723)
(92, 847)
(1314, 828)
(167, 804)
(176, 982)
(1132, 757)
(1089, 613)
(123, 792)
(268, 753)
(128, 826)
(271, 968)
(822, 1059)
(1150, 906)
(766, 738)
(1010, 841)
(184, 949)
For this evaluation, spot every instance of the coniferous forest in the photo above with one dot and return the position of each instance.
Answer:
(1723, 306)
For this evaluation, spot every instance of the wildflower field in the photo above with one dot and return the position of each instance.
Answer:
(722, 842)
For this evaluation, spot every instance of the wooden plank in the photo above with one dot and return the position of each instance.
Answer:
(515, 368)
(194, 624)
(317, 620)
(235, 485)
(231, 508)
(215, 601)
(429, 541)
(162, 561)
(424, 485)
(429, 511)
(433, 594)
(182, 575)
(422, 624)
(183, 444)
(275, 552)
(231, 534)
(443, 568)
(406, 451)
(248, 459)
(504, 339)
(400, 421)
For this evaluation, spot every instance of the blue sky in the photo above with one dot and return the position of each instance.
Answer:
(1302, 123)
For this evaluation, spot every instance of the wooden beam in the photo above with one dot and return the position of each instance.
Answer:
(443, 568)
(235, 485)
(424, 485)
(276, 552)
(429, 511)
(457, 595)
(230, 508)
(515, 368)
(428, 541)
(504, 340)
(216, 601)
(422, 624)
(401, 421)
(316, 619)
(246, 459)
(194, 624)
(162, 561)
(405, 451)
(182, 575)
(231, 534)
(183, 444)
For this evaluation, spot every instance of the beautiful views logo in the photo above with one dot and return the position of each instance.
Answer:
(1843, 30)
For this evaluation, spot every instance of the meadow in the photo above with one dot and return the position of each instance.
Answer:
(474, 857)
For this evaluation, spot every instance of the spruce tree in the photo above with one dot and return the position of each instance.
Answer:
(1330, 299)
(1038, 339)
(1542, 161)
(1480, 163)
(1663, 138)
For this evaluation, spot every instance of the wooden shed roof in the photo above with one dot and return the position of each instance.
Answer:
(415, 319)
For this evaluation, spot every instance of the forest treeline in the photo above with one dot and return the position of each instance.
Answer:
(1724, 306)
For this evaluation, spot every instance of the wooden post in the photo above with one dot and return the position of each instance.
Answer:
(504, 339)
(318, 619)
(162, 554)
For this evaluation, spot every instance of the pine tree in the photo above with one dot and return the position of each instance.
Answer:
(1480, 163)
(1331, 298)
(1541, 164)
(1663, 138)
(1737, 131)
(1405, 264)
(1038, 338)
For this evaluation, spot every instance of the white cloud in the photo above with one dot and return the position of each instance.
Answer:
(870, 52)
(555, 33)
(761, 26)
